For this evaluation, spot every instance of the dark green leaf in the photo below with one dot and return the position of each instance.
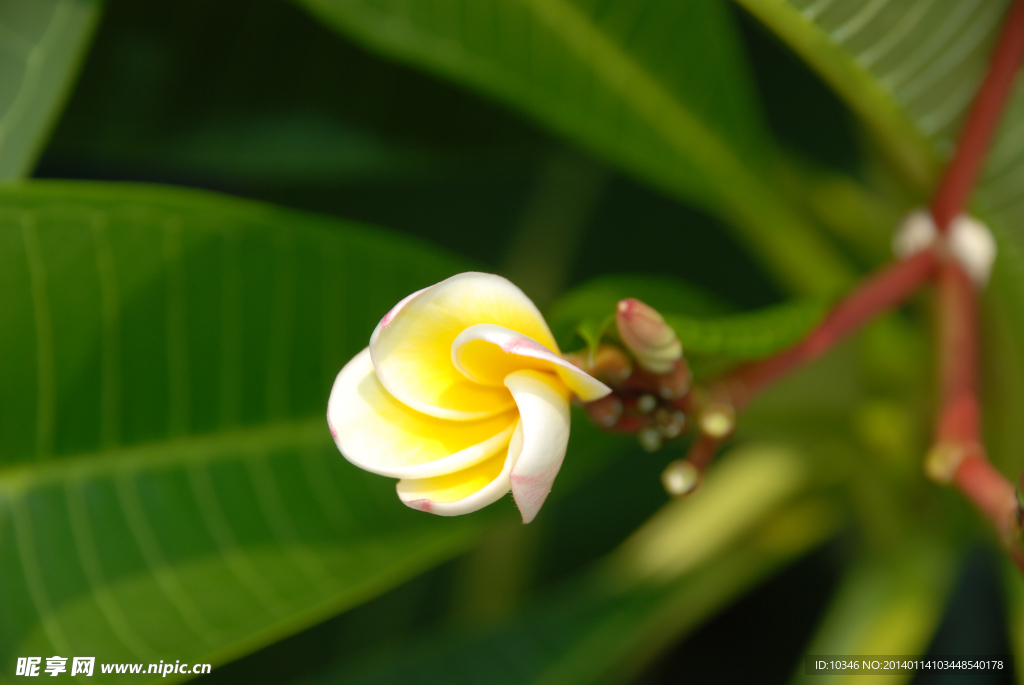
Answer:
(752, 334)
(602, 626)
(41, 45)
(619, 79)
(168, 485)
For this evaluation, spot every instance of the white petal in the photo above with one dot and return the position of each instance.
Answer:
(411, 347)
(544, 419)
(464, 491)
(488, 353)
(378, 433)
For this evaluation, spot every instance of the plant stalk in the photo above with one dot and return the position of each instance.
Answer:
(880, 292)
(958, 430)
(961, 175)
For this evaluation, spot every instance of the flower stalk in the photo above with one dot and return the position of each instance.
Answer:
(888, 288)
(961, 174)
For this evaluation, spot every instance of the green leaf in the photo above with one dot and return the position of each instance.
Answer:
(892, 62)
(695, 317)
(602, 626)
(291, 149)
(752, 334)
(679, 113)
(41, 45)
(592, 331)
(168, 485)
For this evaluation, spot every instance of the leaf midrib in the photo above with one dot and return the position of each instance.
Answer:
(18, 478)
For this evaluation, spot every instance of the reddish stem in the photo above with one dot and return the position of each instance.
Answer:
(992, 495)
(959, 414)
(955, 187)
(959, 424)
(881, 291)
(702, 451)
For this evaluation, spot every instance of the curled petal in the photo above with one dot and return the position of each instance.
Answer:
(378, 433)
(466, 490)
(488, 353)
(544, 419)
(411, 347)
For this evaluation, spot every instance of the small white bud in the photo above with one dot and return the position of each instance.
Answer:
(680, 478)
(650, 439)
(647, 403)
(717, 421)
(971, 242)
(916, 232)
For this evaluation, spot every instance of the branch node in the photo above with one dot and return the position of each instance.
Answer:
(968, 241)
(943, 460)
(717, 420)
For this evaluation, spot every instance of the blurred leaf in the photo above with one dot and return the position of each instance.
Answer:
(256, 94)
(604, 625)
(291, 148)
(752, 334)
(169, 488)
(742, 489)
(694, 316)
(679, 113)
(907, 68)
(41, 46)
(886, 606)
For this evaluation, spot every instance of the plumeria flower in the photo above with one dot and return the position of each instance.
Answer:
(463, 395)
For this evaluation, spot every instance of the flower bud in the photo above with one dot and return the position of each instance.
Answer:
(972, 243)
(650, 439)
(605, 412)
(675, 383)
(647, 336)
(680, 478)
(717, 420)
(607, 363)
(647, 403)
(612, 364)
(670, 422)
